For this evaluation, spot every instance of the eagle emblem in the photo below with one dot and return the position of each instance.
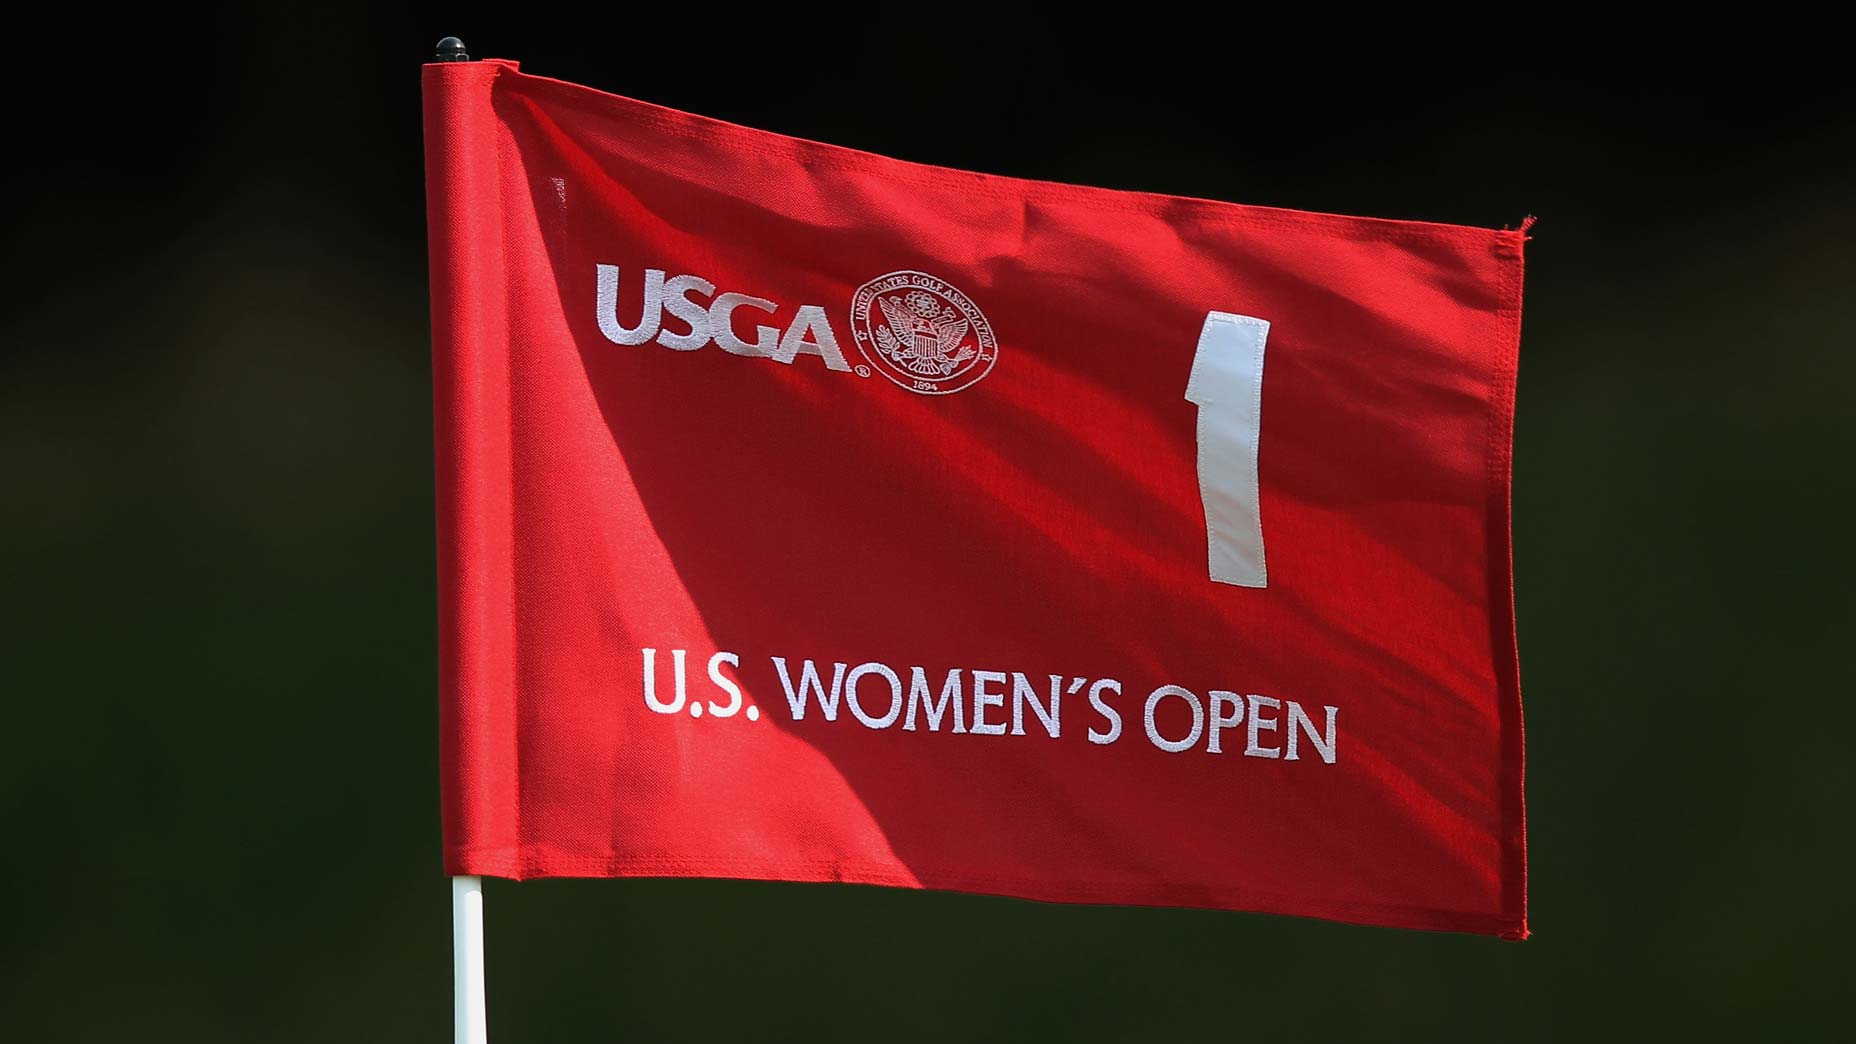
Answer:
(923, 335)
(926, 335)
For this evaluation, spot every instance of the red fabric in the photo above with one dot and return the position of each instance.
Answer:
(597, 499)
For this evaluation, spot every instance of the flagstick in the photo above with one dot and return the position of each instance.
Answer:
(470, 1024)
(467, 961)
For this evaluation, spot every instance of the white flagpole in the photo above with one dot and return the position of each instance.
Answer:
(467, 1006)
(467, 961)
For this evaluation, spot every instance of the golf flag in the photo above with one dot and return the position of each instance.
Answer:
(809, 515)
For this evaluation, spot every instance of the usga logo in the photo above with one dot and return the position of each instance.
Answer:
(917, 330)
(929, 337)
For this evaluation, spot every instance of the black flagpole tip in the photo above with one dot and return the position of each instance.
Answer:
(451, 49)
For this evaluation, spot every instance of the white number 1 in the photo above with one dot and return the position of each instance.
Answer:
(1227, 385)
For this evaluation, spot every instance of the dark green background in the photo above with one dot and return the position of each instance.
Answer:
(218, 781)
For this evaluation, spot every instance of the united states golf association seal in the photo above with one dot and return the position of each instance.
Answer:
(922, 333)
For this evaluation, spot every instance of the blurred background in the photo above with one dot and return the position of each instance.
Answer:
(218, 772)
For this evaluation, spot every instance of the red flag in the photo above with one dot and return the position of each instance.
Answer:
(815, 516)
